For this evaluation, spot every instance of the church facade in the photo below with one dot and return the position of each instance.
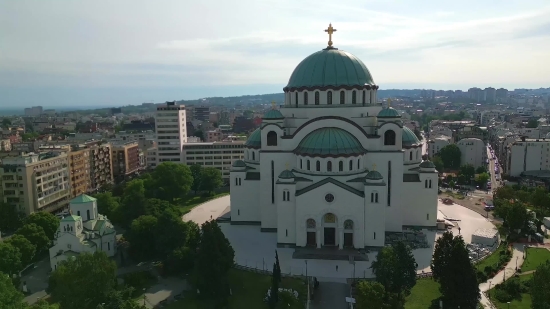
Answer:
(332, 166)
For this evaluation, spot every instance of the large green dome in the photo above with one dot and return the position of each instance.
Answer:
(329, 142)
(330, 67)
(388, 112)
(273, 114)
(254, 140)
(408, 138)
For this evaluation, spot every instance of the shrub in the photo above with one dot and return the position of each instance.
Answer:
(138, 280)
(502, 296)
(481, 276)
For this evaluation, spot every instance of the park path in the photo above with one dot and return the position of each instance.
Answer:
(208, 210)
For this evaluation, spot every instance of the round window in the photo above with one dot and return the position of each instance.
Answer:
(329, 198)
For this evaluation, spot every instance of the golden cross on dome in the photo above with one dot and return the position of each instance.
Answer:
(374, 166)
(273, 104)
(287, 165)
(330, 31)
(389, 102)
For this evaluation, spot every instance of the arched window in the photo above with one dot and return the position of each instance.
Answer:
(353, 97)
(342, 96)
(350, 165)
(430, 184)
(329, 97)
(358, 164)
(239, 181)
(410, 155)
(301, 167)
(308, 165)
(389, 138)
(341, 166)
(236, 181)
(310, 224)
(426, 183)
(376, 197)
(371, 97)
(348, 225)
(286, 195)
(253, 156)
(364, 98)
(271, 138)
(296, 98)
(329, 166)
(318, 166)
(316, 97)
(305, 98)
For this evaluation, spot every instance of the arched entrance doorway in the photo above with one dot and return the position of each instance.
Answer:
(311, 232)
(329, 229)
(348, 234)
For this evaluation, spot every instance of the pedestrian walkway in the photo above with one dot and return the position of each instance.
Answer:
(515, 262)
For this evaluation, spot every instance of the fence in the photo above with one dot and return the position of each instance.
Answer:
(266, 266)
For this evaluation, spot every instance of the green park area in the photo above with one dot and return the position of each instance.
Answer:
(534, 258)
(424, 295)
(248, 291)
(521, 301)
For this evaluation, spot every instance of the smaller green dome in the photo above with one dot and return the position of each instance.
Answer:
(255, 140)
(327, 142)
(273, 114)
(286, 174)
(388, 112)
(427, 164)
(408, 137)
(374, 175)
(239, 163)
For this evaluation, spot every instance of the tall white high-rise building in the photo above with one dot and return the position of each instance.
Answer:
(171, 134)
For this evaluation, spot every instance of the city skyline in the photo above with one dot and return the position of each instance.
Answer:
(130, 52)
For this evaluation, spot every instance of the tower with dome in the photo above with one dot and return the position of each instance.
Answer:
(332, 166)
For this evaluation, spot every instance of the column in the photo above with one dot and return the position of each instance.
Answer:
(318, 237)
(340, 238)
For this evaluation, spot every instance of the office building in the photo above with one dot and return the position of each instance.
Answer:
(171, 131)
(217, 154)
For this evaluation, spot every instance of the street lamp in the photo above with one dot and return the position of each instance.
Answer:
(144, 297)
(508, 305)
(517, 263)
(489, 290)
(306, 270)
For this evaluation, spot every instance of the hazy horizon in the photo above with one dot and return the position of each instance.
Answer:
(128, 52)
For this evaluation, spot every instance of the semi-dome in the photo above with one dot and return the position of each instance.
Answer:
(273, 114)
(374, 175)
(255, 140)
(427, 164)
(388, 112)
(408, 137)
(330, 67)
(328, 142)
(239, 163)
(286, 174)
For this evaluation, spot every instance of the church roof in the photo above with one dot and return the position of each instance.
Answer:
(374, 175)
(388, 112)
(83, 198)
(332, 181)
(408, 137)
(330, 67)
(286, 174)
(427, 164)
(71, 218)
(239, 163)
(273, 114)
(255, 139)
(329, 142)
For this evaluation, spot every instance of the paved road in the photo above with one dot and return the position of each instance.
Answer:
(330, 295)
(494, 183)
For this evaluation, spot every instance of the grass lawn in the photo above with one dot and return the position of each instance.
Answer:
(492, 259)
(534, 258)
(190, 202)
(524, 303)
(423, 294)
(249, 290)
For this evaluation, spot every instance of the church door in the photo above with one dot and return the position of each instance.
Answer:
(311, 241)
(330, 236)
(348, 240)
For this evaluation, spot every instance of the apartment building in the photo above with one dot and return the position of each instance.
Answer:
(101, 164)
(216, 154)
(126, 159)
(526, 155)
(473, 151)
(36, 182)
(436, 144)
(170, 124)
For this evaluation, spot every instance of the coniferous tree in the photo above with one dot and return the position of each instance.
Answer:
(274, 293)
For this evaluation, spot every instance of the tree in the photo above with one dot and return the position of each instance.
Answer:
(370, 295)
(452, 268)
(274, 291)
(504, 193)
(439, 166)
(540, 287)
(481, 169)
(107, 204)
(467, 173)
(24, 246)
(36, 235)
(196, 172)
(405, 275)
(384, 267)
(211, 179)
(133, 200)
(121, 299)
(540, 198)
(172, 180)
(10, 218)
(171, 233)
(482, 179)
(42, 304)
(83, 282)
(199, 134)
(278, 270)
(533, 123)
(46, 220)
(214, 260)
(6, 123)
(10, 259)
(142, 235)
(517, 217)
(450, 155)
(10, 297)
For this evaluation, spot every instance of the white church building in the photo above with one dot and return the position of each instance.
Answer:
(85, 230)
(332, 166)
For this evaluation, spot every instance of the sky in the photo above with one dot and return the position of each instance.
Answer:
(111, 53)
